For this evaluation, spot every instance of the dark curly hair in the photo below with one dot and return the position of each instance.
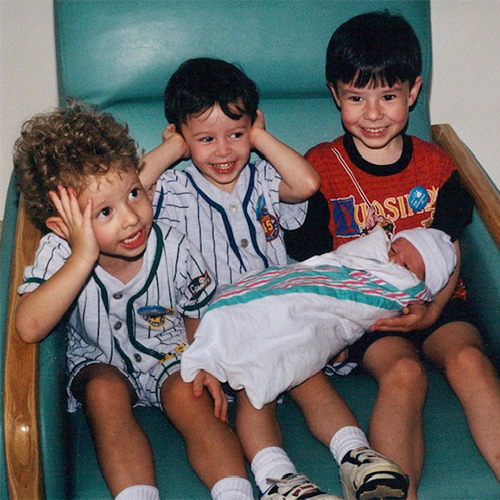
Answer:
(68, 146)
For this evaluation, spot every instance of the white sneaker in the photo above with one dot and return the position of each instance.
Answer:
(295, 487)
(368, 475)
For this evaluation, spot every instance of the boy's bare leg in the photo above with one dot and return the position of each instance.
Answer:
(107, 398)
(257, 429)
(457, 349)
(396, 423)
(324, 409)
(212, 447)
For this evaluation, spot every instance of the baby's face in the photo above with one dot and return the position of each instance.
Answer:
(402, 252)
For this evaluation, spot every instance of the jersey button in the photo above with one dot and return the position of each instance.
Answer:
(233, 208)
(244, 242)
(138, 357)
(117, 325)
(118, 295)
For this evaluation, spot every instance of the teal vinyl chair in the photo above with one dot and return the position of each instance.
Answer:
(119, 54)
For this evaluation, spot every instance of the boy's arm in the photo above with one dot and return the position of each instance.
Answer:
(39, 311)
(421, 316)
(313, 237)
(171, 150)
(204, 379)
(191, 325)
(450, 216)
(299, 179)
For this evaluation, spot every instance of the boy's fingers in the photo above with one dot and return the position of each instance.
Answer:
(198, 385)
(213, 386)
(224, 409)
(220, 403)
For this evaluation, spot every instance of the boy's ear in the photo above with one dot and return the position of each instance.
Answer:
(414, 91)
(334, 93)
(56, 225)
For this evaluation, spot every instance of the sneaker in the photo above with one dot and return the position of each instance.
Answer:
(368, 475)
(295, 487)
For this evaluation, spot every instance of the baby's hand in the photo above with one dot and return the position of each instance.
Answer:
(75, 226)
(171, 137)
(204, 379)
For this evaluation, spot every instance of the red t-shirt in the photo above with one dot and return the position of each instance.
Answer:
(360, 194)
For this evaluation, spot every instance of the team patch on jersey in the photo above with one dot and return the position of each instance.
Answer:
(268, 221)
(199, 284)
(343, 215)
(155, 316)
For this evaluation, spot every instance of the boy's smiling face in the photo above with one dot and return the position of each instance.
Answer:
(121, 217)
(376, 116)
(220, 146)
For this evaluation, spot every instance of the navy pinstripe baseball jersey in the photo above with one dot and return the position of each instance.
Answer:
(236, 232)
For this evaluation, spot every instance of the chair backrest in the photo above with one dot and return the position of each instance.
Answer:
(120, 54)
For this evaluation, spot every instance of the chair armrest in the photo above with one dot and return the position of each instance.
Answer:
(486, 195)
(21, 431)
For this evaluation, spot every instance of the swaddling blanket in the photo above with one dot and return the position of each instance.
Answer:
(274, 328)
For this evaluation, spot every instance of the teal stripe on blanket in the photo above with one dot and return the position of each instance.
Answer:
(338, 282)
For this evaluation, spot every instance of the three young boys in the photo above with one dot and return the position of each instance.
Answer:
(374, 109)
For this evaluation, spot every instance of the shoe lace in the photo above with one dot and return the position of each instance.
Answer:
(294, 481)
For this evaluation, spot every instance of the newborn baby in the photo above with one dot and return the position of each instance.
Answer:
(274, 328)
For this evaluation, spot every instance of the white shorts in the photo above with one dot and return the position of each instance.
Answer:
(147, 385)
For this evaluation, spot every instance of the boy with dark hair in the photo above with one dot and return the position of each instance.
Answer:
(234, 210)
(199, 83)
(376, 174)
(131, 292)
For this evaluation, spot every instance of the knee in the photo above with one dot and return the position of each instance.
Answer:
(175, 391)
(98, 384)
(180, 404)
(469, 362)
(405, 375)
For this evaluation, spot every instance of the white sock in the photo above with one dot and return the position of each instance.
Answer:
(271, 463)
(232, 488)
(345, 440)
(139, 492)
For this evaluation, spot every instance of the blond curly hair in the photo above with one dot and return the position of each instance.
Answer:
(68, 146)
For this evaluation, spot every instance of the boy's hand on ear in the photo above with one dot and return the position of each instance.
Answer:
(75, 226)
(175, 140)
(258, 126)
(172, 149)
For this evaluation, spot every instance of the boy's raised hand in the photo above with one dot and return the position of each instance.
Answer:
(172, 149)
(204, 379)
(176, 141)
(258, 126)
(73, 225)
(299, 180)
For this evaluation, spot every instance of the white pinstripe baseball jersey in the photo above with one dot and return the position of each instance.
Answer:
(236, 232)
(137, 325)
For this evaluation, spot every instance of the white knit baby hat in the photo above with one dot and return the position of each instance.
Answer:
(438, 254)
